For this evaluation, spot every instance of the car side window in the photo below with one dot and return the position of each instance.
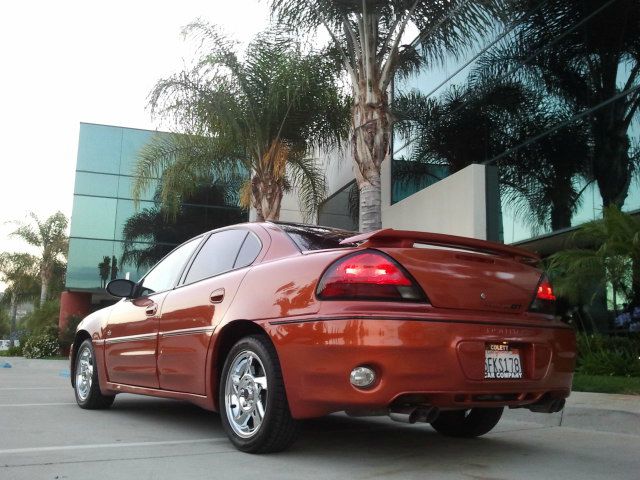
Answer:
(248, 252)
(217, 255)
(164, 274)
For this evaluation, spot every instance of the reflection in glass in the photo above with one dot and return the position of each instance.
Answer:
(552, 100)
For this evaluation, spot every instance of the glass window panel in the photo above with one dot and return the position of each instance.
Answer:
(164, 275)
(143, 220)
(335, 211)
(91, 263)
(125, 189)
(133, 140)
(97, 184)
(99, 148)
(93, 217)
(83, 263)
(150, 224)
(249, 251)
(217, 255)
(311, 237)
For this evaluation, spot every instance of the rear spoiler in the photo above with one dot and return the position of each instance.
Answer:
(405, 239)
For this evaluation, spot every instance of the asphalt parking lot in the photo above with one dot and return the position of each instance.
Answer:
(44, 435)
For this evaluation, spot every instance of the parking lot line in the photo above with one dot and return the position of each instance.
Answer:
(35, 388)
(36, 404)
(13, 451)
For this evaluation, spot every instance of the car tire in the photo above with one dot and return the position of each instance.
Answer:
(467, 423)
(86, 385)
(253, 402)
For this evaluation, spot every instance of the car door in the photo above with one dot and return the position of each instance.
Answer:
(192, 311)
(131, 338)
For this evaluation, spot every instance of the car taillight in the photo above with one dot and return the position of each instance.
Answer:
(367, 275)
(545, 299)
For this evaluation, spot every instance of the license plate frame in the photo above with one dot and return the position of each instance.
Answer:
(502, 362)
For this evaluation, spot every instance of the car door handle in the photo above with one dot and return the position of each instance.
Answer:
(217, 296)
(151, 310)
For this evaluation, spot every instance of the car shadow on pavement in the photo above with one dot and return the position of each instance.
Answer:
(348, 438)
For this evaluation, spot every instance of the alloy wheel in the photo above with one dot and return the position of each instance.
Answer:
(246, 394)
(84, 373)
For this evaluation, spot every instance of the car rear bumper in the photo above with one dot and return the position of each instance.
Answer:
(417, 362)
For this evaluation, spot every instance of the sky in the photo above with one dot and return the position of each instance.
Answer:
(66, 62)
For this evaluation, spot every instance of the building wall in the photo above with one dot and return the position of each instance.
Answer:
(338, 169)
(456, 205)
(554, 137)
(103, 206)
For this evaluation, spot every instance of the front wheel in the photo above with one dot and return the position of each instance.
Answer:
(86, 384)
(253, 403)
(467, 423)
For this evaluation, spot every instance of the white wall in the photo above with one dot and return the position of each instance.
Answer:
(455, 205)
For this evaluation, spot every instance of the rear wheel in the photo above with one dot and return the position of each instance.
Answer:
(253, 403)
(86, 384)
(467, 423)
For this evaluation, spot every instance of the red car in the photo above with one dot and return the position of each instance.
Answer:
(268, 323)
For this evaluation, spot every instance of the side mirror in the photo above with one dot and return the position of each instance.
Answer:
(121, 287)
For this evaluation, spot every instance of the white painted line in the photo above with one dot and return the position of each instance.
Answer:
(13, 451)
(35, 388)
(35, 404)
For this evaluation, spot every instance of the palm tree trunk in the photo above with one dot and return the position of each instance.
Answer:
(370, 141)
(635, 282)
(267, 198)
(612, 165)
(44, 289)
(14, 311)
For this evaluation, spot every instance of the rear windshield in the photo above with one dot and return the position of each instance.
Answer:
(311, 237)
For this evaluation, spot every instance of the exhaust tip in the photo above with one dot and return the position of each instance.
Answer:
(414, 414)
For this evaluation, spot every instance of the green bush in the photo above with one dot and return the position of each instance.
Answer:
(602, 355)
(43, 317)
(68, 334)
(43, 344)
(15, 351)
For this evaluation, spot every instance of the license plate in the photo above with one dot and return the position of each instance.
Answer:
(501, 361)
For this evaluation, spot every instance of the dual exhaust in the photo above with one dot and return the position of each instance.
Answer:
(413, 414)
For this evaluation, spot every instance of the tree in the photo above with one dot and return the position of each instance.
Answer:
(104, 269)
(256, 118)
(5, 323)
(20, 272)
(152, 233)
(368, 38)
(587, 54)
(50, 236)
(606, 252)
(493, 120)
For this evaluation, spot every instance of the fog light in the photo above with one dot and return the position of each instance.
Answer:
(362, 377)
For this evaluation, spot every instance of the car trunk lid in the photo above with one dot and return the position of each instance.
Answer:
(461, 273)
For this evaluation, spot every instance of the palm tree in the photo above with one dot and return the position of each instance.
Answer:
(257, 117)
(587, 54)
(606, 252)
(50, 236)
(20, 272)
(152, 233)
(481, 122)
(368, 37)
(104, 269)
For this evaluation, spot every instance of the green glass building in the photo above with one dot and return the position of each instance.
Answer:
(110, 235)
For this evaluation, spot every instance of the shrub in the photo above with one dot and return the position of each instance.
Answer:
(43, 317)
(15, 351)
(601, 355)
(68, 334)
(43, 344)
